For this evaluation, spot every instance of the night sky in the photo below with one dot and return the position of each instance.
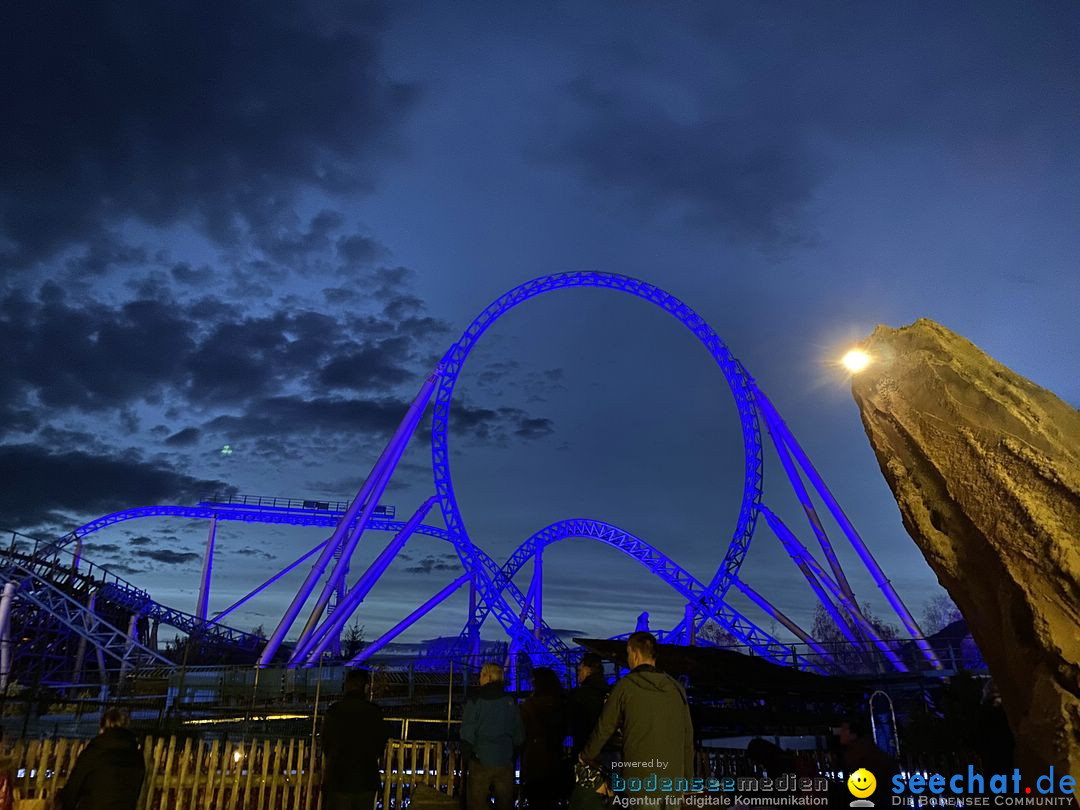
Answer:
(260, 224)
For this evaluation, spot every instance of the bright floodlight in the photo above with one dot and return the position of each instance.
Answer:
(855, 360)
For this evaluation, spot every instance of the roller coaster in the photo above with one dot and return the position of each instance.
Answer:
(65, 621)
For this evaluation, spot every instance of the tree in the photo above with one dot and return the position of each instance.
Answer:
(824, 628)
(938, 613)
(352, 641)
(846, 654)
(712, 633)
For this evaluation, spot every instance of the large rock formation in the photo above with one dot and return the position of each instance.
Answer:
(985, 466)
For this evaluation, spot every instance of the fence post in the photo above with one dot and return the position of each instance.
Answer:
(450, 699)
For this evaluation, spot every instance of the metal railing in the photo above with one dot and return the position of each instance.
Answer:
(275, 502)
(69, 570)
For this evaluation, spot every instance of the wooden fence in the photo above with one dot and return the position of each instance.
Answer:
(256, 775)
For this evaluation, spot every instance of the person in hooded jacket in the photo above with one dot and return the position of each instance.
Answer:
(109, 772)
(587, 700)
(658, 736)
(491, 729)
(545, 772)
(354, 740)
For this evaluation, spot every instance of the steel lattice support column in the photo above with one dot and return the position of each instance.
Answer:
(356, 516)
(202, 608)
(6, 600)
(408, 621)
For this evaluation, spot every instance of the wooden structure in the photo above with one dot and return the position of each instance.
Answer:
(253, 775)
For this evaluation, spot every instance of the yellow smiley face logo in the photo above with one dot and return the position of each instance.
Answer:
(861, 783)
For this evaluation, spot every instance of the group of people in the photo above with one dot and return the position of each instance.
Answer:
(640, 729)
(648, 707)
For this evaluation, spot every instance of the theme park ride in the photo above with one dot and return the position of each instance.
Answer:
(70, 622)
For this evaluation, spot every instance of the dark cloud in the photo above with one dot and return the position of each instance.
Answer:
(242, 359)
(286, 415)
(122, 569)
(294, 248)
(497, 424)
(90, 356)
(379, 365)
(130, 421)
(750, 181)
(41, 486)
(211, 309)
(168, 556)
(360, 249)
(249, 551)
(214, 114)
(496, 371)
(430, 564)
(104, 251)
(737, 129)
(195, 276)
(534, 427)
(55, 436)
(15, 420)
(141, 540)
(340, 295)
(184, 438)
(477, 421)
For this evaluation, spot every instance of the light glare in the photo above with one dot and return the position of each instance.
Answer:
(855, 360)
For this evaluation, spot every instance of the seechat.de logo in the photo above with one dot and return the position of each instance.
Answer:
(861, 783)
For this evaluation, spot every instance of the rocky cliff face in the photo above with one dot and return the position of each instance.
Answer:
(985, 466)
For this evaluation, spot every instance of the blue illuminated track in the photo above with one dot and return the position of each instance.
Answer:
(451, 366)
(493, 591)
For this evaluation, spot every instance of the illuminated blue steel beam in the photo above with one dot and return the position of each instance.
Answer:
(843, 624)
(537, 587)
(769, 415)
(312, 517)
(454, 360)
(242, 514)
(58, 567)
(361, 507)
(300, 517)
(77, 618)
(139, 601)
(324, 635)
(392, 454)
(283, 572)
(473, 628)
(795, 547)
(408, 621)
(697, 594)
(203, 605)
(500, 596)
(293, 516)
(781, 617)
(278, 516)
(677, 634)
(848, 529)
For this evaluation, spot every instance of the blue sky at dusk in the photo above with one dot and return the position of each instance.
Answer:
(260, 225)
